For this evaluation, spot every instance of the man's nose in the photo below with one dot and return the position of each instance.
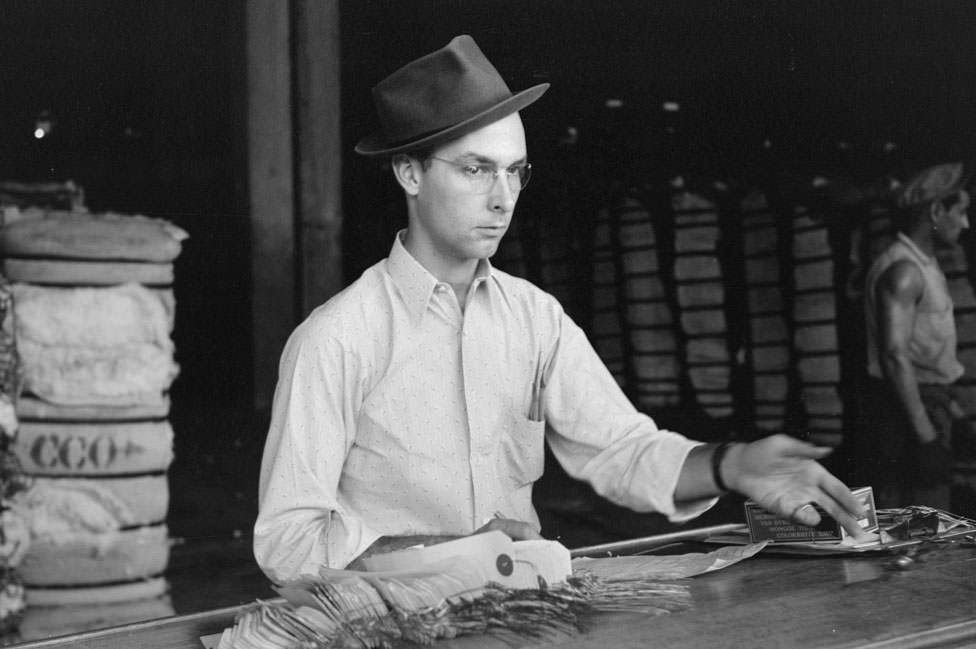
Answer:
(502, 196)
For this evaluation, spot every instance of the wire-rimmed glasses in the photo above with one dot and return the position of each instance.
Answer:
(482, 176)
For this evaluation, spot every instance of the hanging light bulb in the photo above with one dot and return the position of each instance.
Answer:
(43, 125)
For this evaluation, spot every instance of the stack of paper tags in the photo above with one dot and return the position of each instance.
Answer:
(896, 528)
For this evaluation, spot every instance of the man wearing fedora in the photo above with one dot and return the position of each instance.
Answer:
(902, 445)
(413, 407)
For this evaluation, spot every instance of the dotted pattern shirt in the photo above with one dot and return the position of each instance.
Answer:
(396, 414)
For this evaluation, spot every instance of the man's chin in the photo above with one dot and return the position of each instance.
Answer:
(486, 249)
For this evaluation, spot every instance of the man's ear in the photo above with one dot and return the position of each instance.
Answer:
(936, 209)
(407, 172)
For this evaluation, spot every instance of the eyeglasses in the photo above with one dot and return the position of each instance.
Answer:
(482, 177)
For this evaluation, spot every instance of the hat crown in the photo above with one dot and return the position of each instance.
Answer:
(437, 91)
(932, 184)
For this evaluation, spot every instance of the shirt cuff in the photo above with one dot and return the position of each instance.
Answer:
(347, 538)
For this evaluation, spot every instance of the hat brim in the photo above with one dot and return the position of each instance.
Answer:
(376, 146)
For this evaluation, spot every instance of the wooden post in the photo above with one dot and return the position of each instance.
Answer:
(270, 188)
(319, 159)
(294, 170)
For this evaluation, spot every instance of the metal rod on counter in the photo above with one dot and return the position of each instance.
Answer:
(630, 546)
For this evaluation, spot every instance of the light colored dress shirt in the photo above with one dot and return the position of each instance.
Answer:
(397, 414)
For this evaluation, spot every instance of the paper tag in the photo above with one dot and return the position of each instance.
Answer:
(764, 526)
(514, 564)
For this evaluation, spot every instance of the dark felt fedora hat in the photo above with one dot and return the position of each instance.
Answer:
(440, 97)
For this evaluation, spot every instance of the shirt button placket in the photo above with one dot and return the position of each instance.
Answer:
(472, 363)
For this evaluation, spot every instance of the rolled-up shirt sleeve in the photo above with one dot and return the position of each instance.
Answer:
(598, 435)
(301, 523)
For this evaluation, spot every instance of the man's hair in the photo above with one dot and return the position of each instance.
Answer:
(423, 155)
(904, 218)
(949, 201)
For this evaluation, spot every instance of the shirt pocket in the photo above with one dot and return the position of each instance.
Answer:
(523, 451)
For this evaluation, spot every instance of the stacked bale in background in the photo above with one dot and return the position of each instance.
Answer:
(633, 325)
(868, 240)
(14, 532)
(606, 324)
(648, 319)
(555, 267)
(55, 195)
(511, 253)
(815, 327)
(956, 268)
(769, 334)
(701, 297)
(94, 308)
(802, 327)
(541, 254)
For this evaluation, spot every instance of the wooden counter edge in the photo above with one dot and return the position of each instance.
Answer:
(951, 636)
(194, 625)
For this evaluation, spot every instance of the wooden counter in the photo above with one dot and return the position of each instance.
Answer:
(764, 601)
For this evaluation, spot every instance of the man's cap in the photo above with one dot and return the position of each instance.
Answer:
(440, 97)
(933, 184)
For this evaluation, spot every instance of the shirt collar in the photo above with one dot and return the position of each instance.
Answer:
(415, 283)
(915, 250)
(484, 271)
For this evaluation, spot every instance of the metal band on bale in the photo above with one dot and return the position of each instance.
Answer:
(31, 408)
(64, 272)
(107, 558)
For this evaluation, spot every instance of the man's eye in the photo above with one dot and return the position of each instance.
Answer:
(477, 170)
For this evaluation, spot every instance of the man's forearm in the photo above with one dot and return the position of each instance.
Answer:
(696, 479)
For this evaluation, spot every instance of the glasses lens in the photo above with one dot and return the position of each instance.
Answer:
(518, 177)
(482, 182)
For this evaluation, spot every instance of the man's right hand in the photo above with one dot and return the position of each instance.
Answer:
(783, 475)
(516, 530)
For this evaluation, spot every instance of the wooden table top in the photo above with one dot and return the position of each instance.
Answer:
(765, 601)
